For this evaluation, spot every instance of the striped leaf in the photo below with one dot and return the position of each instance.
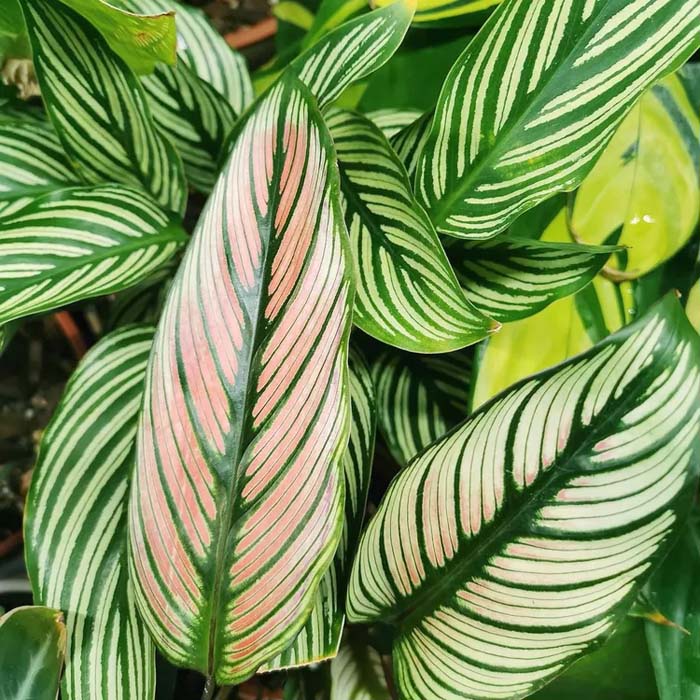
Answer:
(353, 51)
(515, 544)
(410, 141)
(623, 200)
(510, 279)
(357, 674)
(76, 519)
(98, 107)
(320, 636)
(32, 161)
(79, 243)
(448, 12)
(237, 507)
(535, 98)
(407, 293)
(32, 644)
(392, 121)
(419, 398)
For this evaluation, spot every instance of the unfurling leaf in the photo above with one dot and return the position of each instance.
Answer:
(515, 544)
(32, 645)
(76, 521)
(236, 510)
(535, 98)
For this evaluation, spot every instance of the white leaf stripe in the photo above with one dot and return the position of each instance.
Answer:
(509, 279)
(76, 522)
(80, 243)
(493, 595)
(98, 107)
(32, 161)
(237, 507)
(419, 398)
(534, 99)
(320, 636)
(353, 51)
(193, 116)
(407, 294)
(410, 141)
(392, 121)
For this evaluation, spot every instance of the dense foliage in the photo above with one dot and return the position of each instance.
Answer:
(384, 368)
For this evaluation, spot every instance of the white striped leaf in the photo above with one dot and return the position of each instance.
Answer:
(76, 521)
(410, 141)
(509, 278)
(448, 12)
(535, 98)
(32, 161)
(320, 637)
(419, 398)
(353, 51)
(32, 645)
(392, 121)
(237, 507)
(357, 673)
(407, 293)
(98, 107)
(79, 243)
(514, 545)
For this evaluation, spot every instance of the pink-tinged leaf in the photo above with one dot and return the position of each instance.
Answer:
(236, 509)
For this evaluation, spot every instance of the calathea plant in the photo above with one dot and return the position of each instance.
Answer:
(384, 378)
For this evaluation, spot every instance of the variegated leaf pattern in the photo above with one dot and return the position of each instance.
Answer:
(517, 542)
(419, 398)
(535, 98)
(509, 278)
(410, 141)
(32, 645)
(353, 51)
(98, 107)
(392, 121)
(79, 243)
(32, 161)
(357, 673)
(237, 507)
(76, 521)
(321, 634)
(448, 12)
(407, 293)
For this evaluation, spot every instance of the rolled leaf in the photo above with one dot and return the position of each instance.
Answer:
(353, 51)
(320, 637)
(32, 161)
(98, 107)
(516, 543)
(407, 293)
(448, 12)
(419, 397)
(76, 518)
(675, 591)
(32, 644)
(357, 673)
(509, 279)
(535, 98)
(623, 200)
(80, 243)
(236, 509)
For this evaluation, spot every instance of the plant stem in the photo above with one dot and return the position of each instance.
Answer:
(389, 677)
(209, 688)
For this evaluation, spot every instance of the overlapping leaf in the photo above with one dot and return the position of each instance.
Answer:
(448, 12)
(392, 121)
(407, 294)
(514, 544)
(357, 673)
(321, 634)
(419, 397)
(32, 161)
(536, 97)
(32, 644)
(79, 243)
(236, 509)
(98, 107)
(76, 519)
(410, 141)
(508, 278)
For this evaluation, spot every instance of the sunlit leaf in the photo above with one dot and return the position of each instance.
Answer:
(448, 12)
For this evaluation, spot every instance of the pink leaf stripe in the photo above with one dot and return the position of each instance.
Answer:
(237, 505)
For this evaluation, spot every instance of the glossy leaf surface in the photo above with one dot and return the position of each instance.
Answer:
(76, 518)
(236, 510)
(562, 492)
